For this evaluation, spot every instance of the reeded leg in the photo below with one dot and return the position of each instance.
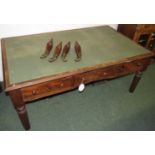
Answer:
(22, 113)
(135, 81)
(20, 108)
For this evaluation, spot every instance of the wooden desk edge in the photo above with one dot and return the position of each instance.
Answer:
(10, 87)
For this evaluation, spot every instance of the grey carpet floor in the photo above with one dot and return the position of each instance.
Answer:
(103, 106)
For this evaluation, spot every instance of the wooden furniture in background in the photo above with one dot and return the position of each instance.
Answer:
(143, 34)
(106, 54)
(0, 87)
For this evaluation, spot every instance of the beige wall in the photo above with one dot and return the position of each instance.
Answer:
(8, 30)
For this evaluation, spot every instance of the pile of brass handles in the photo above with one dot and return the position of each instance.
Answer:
(65, 51)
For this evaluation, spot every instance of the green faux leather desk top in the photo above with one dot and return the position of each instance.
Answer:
(99, 45)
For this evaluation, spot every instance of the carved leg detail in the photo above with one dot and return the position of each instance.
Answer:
(135, 81)
(23, 117)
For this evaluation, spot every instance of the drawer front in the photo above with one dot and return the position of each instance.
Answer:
(64, 84)
(92, 76)
(100, 74)
(138, 65)
(110, 72)
(46, 89)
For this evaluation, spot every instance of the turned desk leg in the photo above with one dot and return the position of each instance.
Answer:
(0, 87)
(20, 108)
(135, 81)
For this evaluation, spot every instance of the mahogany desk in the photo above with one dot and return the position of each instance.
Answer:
(106, 54)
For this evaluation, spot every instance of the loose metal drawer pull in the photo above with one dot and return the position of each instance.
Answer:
(65, 51)
(48, 49)
(57, 52)
(78, 51)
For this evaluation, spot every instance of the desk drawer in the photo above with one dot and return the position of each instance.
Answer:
(111, 72)
(46, 89)
(100, 74)
(90, 76)
(138, 65)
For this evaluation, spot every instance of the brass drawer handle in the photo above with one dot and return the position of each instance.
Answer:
(105, 73)
(138, 64)
(34, 92)
(49, 88)
(83, 80)
(61, 84)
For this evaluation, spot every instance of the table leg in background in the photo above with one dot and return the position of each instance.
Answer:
(1, 87)
(135, 81)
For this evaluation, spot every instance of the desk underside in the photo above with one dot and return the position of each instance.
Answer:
(99, 45)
